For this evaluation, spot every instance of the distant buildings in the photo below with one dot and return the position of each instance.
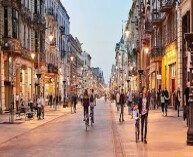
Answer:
(38, 53)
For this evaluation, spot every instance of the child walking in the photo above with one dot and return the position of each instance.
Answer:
(136, 120)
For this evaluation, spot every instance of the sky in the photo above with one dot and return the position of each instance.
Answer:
(98, 25)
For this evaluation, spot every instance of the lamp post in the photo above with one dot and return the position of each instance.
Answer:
(64, 96)
(189, 48)
(71, 75)
(140, 79)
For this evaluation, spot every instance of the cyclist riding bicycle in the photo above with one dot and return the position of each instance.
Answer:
(85, 103)
(92, 104)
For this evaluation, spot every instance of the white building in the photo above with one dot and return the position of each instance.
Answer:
(57, 48)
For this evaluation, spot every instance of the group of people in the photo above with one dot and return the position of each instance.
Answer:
(89, 100)
(35, 105)
(54, 100)
(138, 106)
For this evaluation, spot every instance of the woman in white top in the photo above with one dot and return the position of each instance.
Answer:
(117, 101)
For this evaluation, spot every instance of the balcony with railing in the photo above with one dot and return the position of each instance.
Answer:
(156, 54)
(157, 17)
(166, 5)
(39, 19)
(26, 13)
(148, 27)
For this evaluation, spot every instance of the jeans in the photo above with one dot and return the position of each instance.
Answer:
(163, 104)
(144, 122)
(122, 112)
(74, 106)
(178, 108)
(166, 107)
(85, 111)
(38, 112)
(92, 110)
(17, 106)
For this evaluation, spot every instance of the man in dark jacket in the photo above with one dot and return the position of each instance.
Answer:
(122, 103)
(143, 111)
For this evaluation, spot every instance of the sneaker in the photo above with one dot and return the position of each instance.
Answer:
(84, 119)
(123, 120)
(145, 141)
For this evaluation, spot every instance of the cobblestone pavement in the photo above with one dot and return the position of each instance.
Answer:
(65, 137)
(166, 136)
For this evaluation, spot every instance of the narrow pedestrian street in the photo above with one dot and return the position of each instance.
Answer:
(65, 136)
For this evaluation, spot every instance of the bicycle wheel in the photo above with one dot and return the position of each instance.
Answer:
(87, 122)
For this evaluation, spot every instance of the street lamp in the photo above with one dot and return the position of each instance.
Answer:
(189, 47)
(146, 50)
(51, 36)
(71, 76)
(140, 80)
(33, 55)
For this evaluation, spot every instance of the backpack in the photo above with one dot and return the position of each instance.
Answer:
(91, 98)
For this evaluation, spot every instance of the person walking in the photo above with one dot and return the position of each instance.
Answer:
(186, 106)
(143, 111)
(158, 101)
(50, 100)
(117, 101)
(166, 96)
(39, 107)
(130, 101)
(136, 121)
(85, 103)
(92, 103)
(162, 99)
(17, 102)
(122, 104)
(74, 101)
(42, 106)
(178, 100)
(57, 101)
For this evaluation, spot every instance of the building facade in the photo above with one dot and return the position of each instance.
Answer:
(156, 34)
(76, 65)
(57, 48)
(22, 34)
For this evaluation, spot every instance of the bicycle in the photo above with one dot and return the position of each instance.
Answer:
(86, 120)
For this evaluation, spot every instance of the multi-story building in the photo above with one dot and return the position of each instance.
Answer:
(55, 73)
(159, 42)
(131, 44)
(76, 64)
(184, 12)
(86, 69)
(121, 58)
(98, 75)
(22, 33)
